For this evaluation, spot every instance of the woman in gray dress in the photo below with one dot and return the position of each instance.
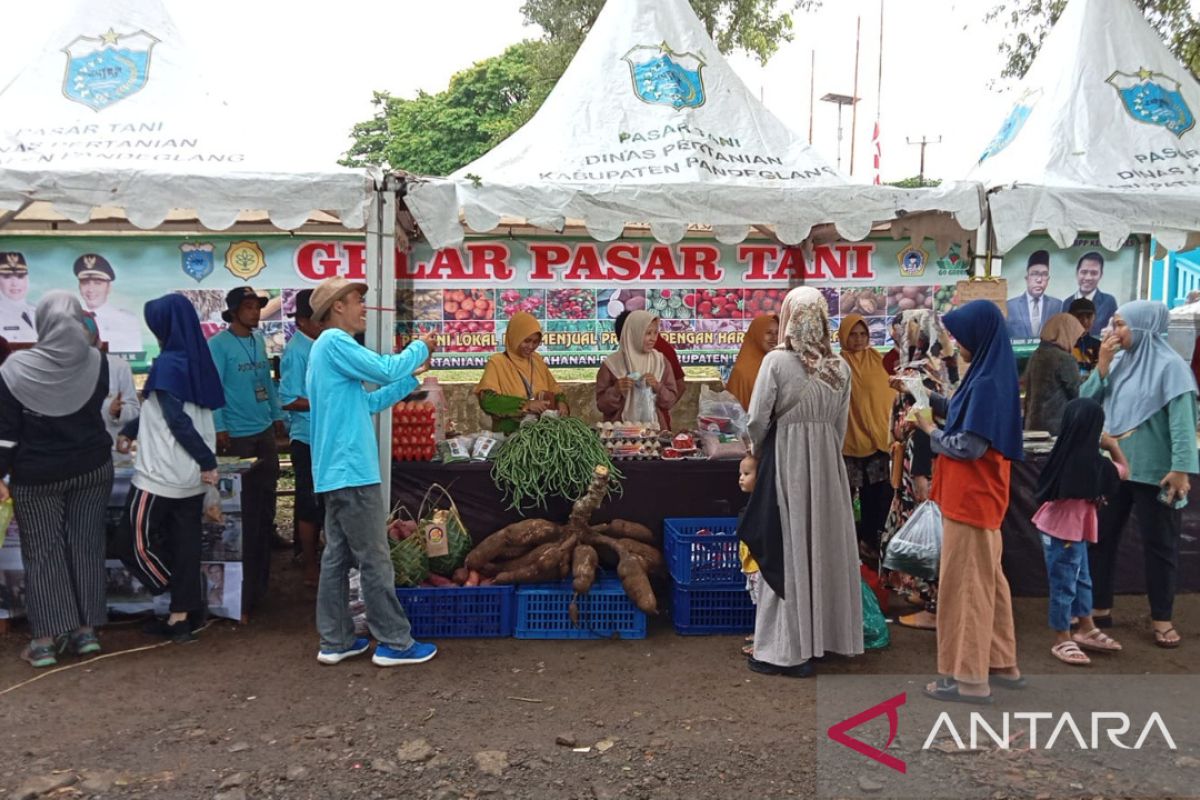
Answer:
(799, 524)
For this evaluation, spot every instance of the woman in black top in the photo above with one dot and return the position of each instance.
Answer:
(56, 455)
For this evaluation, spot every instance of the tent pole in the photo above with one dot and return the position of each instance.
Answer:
(381, 278)
(854, 94)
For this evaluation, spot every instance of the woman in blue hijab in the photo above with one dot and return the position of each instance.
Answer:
(176, 465)
(977, 646)
(1149, 397)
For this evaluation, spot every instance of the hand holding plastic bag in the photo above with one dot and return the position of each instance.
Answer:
(643, 409)
(916, 548)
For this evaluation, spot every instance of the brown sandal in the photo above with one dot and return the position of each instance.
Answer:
(1160, 638)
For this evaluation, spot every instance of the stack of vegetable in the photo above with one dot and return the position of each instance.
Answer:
(412, 431)
(538, 550)
(551, 457)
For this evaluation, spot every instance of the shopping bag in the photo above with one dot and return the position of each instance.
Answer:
(875, 629)
(439, 511)
(721, 412)
(917, 546)
(409, 559)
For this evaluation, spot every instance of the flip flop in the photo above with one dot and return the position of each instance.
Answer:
(1005, 682)
(946, 690)
(1165, 643)
(909, 621)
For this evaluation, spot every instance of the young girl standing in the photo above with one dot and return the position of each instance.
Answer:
(1072, 485)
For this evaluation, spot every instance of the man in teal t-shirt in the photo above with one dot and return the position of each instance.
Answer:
(346, 473)
(248, 425)
(293, 393)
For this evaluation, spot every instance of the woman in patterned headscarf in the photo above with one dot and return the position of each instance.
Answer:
(797, 426)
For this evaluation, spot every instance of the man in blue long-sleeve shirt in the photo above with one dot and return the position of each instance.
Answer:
(247, 427)
(346, 476)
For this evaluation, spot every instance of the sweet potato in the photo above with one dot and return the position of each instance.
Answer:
(651, 557)
(637, 585)
(440, 582)
(585, 561)
(472, 579)
(525, 534)
(540, 564)
(624, 529)
(460, 576)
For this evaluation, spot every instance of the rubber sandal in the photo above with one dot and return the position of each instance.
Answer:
(946, 690)
(1005, 682)
(911, 621)
(1161, 641)
(1097, 640)
(748, 650)
(1069, 653)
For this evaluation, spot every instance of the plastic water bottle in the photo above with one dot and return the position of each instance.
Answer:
(434, 395)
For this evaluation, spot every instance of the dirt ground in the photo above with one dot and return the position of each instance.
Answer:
(247, 712)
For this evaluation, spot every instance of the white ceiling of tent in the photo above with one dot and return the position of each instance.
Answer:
(1102, 138)
(650, 125)
(115, 112)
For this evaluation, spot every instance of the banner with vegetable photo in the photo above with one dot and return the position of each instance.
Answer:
(705, 293)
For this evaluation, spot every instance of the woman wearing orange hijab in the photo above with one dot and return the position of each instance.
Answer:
(759, 340)
(867, 449)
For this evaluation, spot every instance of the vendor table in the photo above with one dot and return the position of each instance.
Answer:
(234, 569)
(1025, 565)
(654, 490)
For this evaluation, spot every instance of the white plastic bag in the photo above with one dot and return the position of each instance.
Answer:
(643, 408)
(721, 412)
(916, 548)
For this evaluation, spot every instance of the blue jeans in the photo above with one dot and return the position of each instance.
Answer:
(1070, 581)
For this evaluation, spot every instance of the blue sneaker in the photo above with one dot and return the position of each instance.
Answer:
(359, 647)
(417, 653)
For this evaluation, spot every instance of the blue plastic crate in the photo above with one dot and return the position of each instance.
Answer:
(710, 558)
(712, 609)
(464, 612)
(605, 612)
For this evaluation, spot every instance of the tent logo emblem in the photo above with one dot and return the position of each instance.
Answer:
(1154, 98)
(663, 77)
(197, 260)
(105, 69)
(1012, 124)
(245, 259)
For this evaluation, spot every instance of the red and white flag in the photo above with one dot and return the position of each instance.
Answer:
(878, 151)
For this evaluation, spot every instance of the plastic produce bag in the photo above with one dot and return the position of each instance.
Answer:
(643, 409)
(721, 412)
(875, 630)
(917, 547)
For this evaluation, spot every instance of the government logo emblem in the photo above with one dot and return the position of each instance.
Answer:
(245, 259)
(1155, 99)
(912, 262)
(197, 260)
(663, 77)
(105, 69)
(1012, 123)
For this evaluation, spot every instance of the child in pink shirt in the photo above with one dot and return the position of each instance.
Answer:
(1072, 486)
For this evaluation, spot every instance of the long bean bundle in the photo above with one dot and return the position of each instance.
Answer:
(553, 457)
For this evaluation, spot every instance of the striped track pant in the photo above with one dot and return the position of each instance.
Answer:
(62, 545)
(166, 546)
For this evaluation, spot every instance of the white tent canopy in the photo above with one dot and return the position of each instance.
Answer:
(650, 125)
(1102, 138)
(115, 112)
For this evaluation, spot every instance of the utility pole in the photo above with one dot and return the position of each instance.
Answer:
(923, 143)
(854, 93)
